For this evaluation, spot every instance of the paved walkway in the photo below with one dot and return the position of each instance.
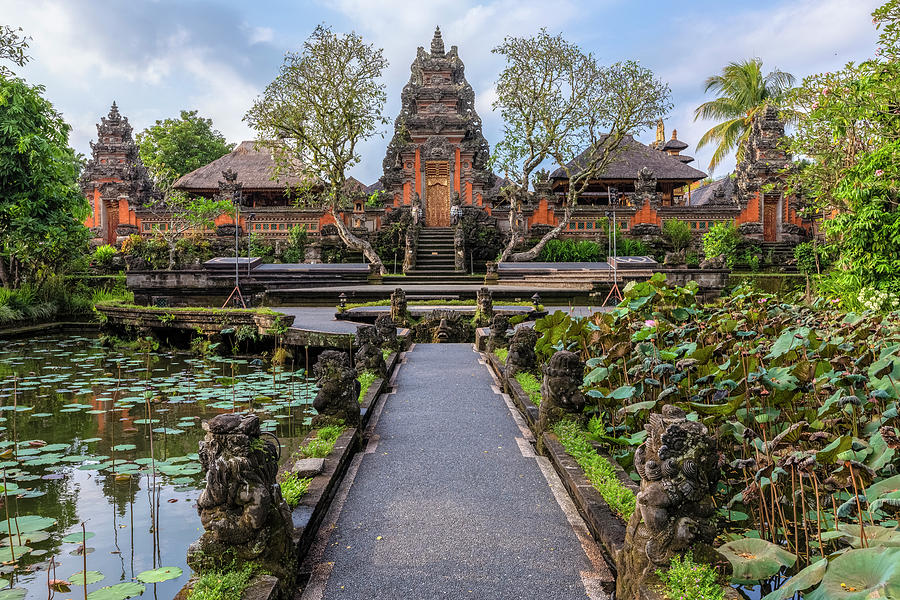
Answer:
(449, 501)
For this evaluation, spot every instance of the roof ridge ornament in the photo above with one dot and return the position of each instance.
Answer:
(437, 43)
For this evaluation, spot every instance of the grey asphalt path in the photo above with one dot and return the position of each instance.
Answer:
(449, 501)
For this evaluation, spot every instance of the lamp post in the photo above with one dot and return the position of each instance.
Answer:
(249, 233)
(536, 301)
(343, 300)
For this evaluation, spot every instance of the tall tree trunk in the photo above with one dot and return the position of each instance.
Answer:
(4, 275)
(171, 256)
(515, 233)
(356, 243)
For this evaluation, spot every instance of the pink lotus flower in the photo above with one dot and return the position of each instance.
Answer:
(815, 105)
(878, 172)
(649, 323)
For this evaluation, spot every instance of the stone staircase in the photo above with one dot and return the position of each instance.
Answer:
(434, 259)
(782, 254)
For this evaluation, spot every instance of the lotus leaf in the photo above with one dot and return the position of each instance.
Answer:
(26, 523)
(802, 581)
(86, 577)
(7, 553)
(875, 536)
(755, 559)
(159, 575)
(12, 594)
(120, 591)
(861, 575)
(78, 536)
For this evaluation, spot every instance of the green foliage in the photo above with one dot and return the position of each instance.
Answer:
(227, 585)
(174, 147)
(13, 45)
(531, 385)
(629, 247)
(688, 580)
(501, 353)
(296, 245)
(678, 233)
(743, 92)
(597, 469)
(322, 444)
(569, 250)
(41, 206)
(293, 488)
(365, 379)
(103, 256)
(260, 247)
(722, 239)
(813, 257)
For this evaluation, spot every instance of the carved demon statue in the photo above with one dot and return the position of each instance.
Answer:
(499, 327)
(561, 393)
(678, 465)
(399, 307)
(338, 395)
(242, 510)
(484, 307)
(387, 333)
(521, 356)
(443, 327)
(369, 356)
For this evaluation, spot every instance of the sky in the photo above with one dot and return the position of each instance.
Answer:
(158, 57)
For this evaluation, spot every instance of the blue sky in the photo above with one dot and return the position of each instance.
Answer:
(156, 57)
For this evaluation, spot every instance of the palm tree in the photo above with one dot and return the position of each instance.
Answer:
(743, 92)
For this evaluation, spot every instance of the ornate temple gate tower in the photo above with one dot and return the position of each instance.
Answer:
(438, 150)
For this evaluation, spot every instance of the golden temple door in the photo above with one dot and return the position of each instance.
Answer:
(437, 194)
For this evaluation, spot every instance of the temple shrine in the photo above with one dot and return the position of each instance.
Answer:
(438, 157)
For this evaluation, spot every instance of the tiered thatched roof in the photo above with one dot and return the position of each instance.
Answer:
(632, 156)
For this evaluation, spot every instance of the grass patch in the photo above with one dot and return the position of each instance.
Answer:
(187, 309)
(321, 445)
(293, 488)
(597, 469)
(685, 579)
(385, 353)
(222, 585)
(531, 385)
(365, 379)
(501, 353)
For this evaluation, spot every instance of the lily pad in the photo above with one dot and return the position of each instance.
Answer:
(755, 559)
(26, 523)
(7, 552)
(159, 575)
(800, 582)
(78, 536)
(86, 577)
(861, 575)
(120, 591)
(12, 594)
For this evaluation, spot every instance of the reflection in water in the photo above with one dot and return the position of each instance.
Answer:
(76, 447)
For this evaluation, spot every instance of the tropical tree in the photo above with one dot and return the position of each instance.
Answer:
(743, 91)
(325, 100)
(13, 45)
(172, 147)
(41, 207)
(849, 128)
(560, 105)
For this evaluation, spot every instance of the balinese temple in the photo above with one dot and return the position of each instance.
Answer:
(438, 155)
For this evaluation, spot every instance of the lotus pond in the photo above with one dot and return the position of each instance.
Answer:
(107, 440)
(803, 403)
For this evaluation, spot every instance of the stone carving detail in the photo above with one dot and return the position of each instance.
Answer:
(764, 160)
(561, 393)
(484, 307)
(243, 513)
(369, 356)
(338, 395)
(645, 189)
(443, 327)
(499, 327)
(387, 333)
(678, 465)
(399, 310)
(521, 356)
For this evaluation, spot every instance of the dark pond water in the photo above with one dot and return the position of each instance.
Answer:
(75, 447)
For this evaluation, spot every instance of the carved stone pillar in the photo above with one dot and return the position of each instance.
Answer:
(338, 395)
(561, 394)
(678, 466)
(369, 356)
(484, 309)
(241, 508)
(499, 327)
(521, 355)
(399, 310)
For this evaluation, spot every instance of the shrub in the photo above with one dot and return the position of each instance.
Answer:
(296, 245)
(365, 379)
(103, 256)
(501, 353)
(571, 251)
(629, 247)
(678, 233)
(321, 445)
(687, 580)
(224, 585)
(806, 255)
(261, 248)
(722, 239)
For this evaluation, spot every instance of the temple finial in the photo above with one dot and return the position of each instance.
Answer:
(437, 43)
(114, 111)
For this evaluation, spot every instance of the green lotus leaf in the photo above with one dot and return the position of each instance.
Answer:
(800, 582)
(755, 559)
(7, 553)
(124, 447)
(120, 591)
(883, 487)
(861, 575)
(26, 523)
(32, 537)
(160, 574)
(85, 577)
(875, 535)
(12, 594)
(78, 536)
